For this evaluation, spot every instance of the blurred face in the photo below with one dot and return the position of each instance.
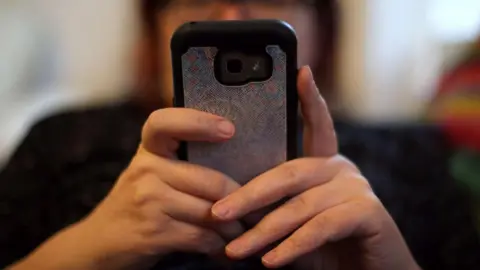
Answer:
(299, 13)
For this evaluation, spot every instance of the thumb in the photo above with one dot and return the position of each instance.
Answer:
(319, 139)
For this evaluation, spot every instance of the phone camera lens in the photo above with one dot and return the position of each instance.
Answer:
(234, 66)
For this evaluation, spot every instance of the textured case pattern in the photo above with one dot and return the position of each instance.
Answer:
(258, 110)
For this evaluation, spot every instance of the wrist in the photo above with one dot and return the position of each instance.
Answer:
(72, 248)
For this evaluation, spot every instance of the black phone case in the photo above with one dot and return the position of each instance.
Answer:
(264, 113)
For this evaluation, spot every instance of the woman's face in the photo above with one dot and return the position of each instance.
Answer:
(299, 14)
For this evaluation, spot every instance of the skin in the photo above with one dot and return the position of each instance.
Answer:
(161, 205)
(331, 220)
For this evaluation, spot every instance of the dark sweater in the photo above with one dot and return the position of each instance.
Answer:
(68, 163)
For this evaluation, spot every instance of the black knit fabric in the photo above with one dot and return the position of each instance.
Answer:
(68, 163)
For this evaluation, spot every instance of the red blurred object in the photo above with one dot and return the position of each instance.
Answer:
(465, 133)
(459, 101)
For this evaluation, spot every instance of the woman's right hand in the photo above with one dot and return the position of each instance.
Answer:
(159, 205)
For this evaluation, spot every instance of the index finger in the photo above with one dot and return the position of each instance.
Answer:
(281, 182)
(165, 128)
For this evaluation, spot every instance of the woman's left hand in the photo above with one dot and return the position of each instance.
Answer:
(332, 219)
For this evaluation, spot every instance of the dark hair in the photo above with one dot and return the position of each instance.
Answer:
(327, 16)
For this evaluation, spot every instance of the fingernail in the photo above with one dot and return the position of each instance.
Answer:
(221, 210)
(234, 250)
(269, 259)
(225, 127)
(239, 249)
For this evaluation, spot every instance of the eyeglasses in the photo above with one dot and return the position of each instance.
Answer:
(192, 10)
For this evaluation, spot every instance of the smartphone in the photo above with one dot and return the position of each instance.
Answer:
(245, 71)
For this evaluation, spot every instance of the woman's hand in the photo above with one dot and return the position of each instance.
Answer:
(159, 205)
(332, 219)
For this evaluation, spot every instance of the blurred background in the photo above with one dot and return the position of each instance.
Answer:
(57, 54)
(407, 105)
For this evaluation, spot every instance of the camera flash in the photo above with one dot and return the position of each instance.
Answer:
(256, 66)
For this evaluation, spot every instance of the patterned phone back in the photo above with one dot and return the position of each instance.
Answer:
(257, 109)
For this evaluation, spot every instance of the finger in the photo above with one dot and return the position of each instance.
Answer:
(179, 206)
(286, 180)
(319, 133)
(165, 128)
(187, 178)
(189, 238)
(184, 207)
(287, 218)
(333, 225)
(199, 181)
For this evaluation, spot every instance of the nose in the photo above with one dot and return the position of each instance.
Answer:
(231, 12)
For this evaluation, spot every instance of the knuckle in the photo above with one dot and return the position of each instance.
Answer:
(202, 182)
(196, 235)
(156, 117)
(149, 193)
(265, 228)
(346, 164)
(203, 119)
(151, 235)
(291, 171)
(153, 228)
(328, 232)
(154, 121)
(296, 243)
(141, 167)
(357, 180)
(320, 222)
(300, 203)
(362, 181)
(216, 181)
(202, 240)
